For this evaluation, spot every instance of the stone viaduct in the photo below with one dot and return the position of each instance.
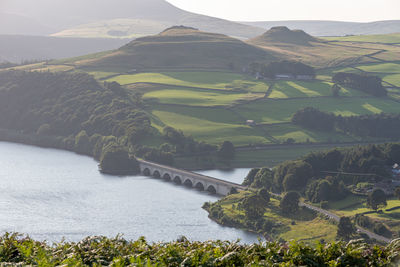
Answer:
(189, 179)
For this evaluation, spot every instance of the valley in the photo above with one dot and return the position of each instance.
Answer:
(214, 106)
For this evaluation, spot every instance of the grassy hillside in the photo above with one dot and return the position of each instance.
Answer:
(180, 47)
(299, 46)
(393, 38)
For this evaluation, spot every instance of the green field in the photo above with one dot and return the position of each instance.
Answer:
(213, 125)
(102, 74)
(386, 68)
(190, 109)
(198, 97)
(393, 79)
(282, 132)
(297, 89)
(362, 207)
(290, 89)
(210, 80)
(276, 111)
(377, 38)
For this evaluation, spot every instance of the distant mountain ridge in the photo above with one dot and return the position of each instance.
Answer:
(18, 48)
(75, 18)
(333, 28)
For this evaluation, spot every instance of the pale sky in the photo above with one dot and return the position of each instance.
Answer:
(267, 10)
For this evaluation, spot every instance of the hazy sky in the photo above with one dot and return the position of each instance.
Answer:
(252, 10)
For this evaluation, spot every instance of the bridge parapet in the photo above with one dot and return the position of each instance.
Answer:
(214, 185)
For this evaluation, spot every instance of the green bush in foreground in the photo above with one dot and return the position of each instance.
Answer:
(100, 251)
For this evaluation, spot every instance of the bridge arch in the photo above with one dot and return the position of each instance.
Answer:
(188, 183)
(156, 174)
(177, 180)
(146, 172)
(167, 177)
(199, 186)
(212, 189)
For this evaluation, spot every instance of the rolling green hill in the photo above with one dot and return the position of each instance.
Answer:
(180, 47)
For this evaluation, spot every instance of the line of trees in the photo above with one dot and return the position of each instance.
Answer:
(383, 125)
(370, 84)
(281, 67)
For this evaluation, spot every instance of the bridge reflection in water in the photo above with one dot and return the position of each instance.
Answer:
(189, 179)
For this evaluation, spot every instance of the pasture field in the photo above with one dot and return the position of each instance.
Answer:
(387, 68)
(199, 97)
(292, 89)
(301, 89)
(376, 38)
(360, 207)
(209, 80)
(282, 132)
(99, 75)
(393, 79)
(213, 125)
(277, 111)
(390, 218)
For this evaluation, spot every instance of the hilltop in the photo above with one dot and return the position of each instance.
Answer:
(299, 46)
(180, 47)
(282, 34)
(333, 28)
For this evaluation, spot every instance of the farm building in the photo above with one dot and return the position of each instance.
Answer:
(250, 122)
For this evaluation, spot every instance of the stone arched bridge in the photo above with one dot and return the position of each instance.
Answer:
(190, 179)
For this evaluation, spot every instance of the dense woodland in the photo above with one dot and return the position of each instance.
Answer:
(368, 83)
(82, 114)
(305, 175)
(376, 125)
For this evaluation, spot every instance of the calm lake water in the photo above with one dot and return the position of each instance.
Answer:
(50, 194)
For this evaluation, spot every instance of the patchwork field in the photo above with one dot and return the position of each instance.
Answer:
(214, 106)
(210, 80)
(386, 68)
(211, 125)
(282, 132)
(265, 111)
(199, 97)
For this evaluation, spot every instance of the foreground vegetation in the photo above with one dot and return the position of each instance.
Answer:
(102, 251)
